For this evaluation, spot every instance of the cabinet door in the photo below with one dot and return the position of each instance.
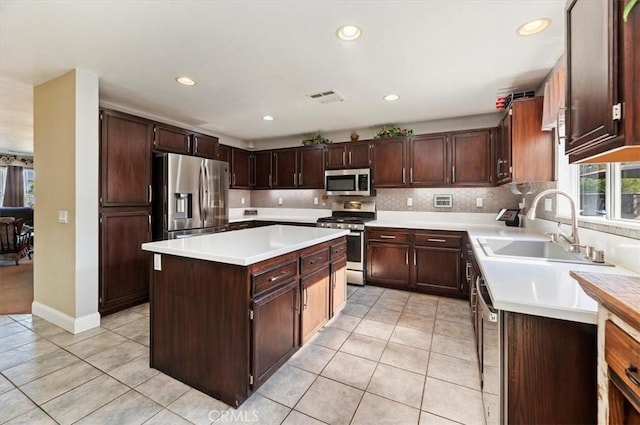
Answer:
(388, 264)
(358, 155)
(592, 72)
(240, 169)
(390, 170)
(336, 156)
(437, 270)
(311, 167)
(262, 170)
(338, 286)
(285, 174)
(503, 150)
(427, 160)
(275, 330)
(205, 146)
(471, 158)
(171, 139)
(315, 302)
(224, 153)
(125, 160)
(532, 150)
(124, 267)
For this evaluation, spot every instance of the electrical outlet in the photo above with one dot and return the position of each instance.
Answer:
(62, 217)
(548, 204)
(479, 202)
(409, 202)
(242, 201)
(315, 201)
(279, 201)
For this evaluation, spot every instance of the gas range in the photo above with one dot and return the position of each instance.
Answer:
(350, 223)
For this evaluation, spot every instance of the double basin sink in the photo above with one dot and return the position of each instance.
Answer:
(532, 250)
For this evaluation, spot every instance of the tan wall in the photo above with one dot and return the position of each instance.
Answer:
(54, 153)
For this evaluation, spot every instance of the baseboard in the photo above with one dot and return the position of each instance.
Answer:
(71, 324)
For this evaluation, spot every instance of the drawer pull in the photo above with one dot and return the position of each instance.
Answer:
(387, 237)
(278, 276)
(436, 240)
(631, 374)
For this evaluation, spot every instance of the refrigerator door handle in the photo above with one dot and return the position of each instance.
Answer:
(200, 191)
(207, 191)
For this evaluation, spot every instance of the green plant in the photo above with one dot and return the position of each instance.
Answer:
(317, 139)
(627, 9)
(392, 132)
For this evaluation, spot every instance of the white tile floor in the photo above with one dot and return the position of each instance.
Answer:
(390, 357)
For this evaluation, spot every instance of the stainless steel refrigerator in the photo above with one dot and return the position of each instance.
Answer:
(193, 196)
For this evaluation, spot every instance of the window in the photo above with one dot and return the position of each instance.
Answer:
(3, 181)
(28, 176)
(611, 191)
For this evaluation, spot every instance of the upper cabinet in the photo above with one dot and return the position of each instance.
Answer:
(240, 169)
(525, 153)
(262, 177)
(603, 83)
(349, 155)
(290, 168)
(178, 140)
(427, 156)
(284, 168)
(311, 167)
(125, 160)
(471, 158)
(391, 162)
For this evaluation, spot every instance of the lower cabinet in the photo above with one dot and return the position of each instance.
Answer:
(125, 269)
(417, 260)
(338, 285)
(275, 331)
(315, 302)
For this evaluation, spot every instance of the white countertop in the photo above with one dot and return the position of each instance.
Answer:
(534, 287)
(245, 247)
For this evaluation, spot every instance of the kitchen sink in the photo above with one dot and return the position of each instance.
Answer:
(532, 250)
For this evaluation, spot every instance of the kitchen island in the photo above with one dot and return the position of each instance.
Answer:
(228, 309)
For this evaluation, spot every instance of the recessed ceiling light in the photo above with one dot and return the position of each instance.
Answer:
(391, 97)
(349, 32)
(533, 27)
(268, 118)
(185, 81)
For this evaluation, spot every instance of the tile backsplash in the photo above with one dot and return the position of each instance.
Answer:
(291, 198)
(236, 196)
(464, 199)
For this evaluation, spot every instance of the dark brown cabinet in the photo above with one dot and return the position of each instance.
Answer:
(471, 158)
(262, 177)
(275, 329)
(436, 260)
(124, 268)
(224, 153)
(387, 261)
(125, 160)
(240, 169)
(416, 260)
(178, 140)
(125, 202)
(391, 162)
(349, 155)
(428, 159)
(284, 166)
(525, 153)
(311, 162)
(603, 88)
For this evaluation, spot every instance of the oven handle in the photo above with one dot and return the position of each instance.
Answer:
(354, 234)
(487, 311)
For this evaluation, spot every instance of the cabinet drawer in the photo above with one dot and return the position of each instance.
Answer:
(338, 250)
(274, 276)
(622, 354)
(438, 240)
(314, 261)
(388, 235)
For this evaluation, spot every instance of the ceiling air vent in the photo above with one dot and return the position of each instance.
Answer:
(329, 96)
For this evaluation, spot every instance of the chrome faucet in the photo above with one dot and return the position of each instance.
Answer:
(574, 240)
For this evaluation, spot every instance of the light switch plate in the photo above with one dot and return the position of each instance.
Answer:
(315, 201)
(157, 262)
(479, 202)
(409, 202)
(548, 204)
(63, 217)
(279, 201)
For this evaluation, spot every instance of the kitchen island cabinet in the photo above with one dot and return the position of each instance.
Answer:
(226, 308)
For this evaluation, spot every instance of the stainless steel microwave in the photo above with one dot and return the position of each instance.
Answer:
(355, 182)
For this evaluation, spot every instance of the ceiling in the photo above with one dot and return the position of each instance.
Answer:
(253, 58)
